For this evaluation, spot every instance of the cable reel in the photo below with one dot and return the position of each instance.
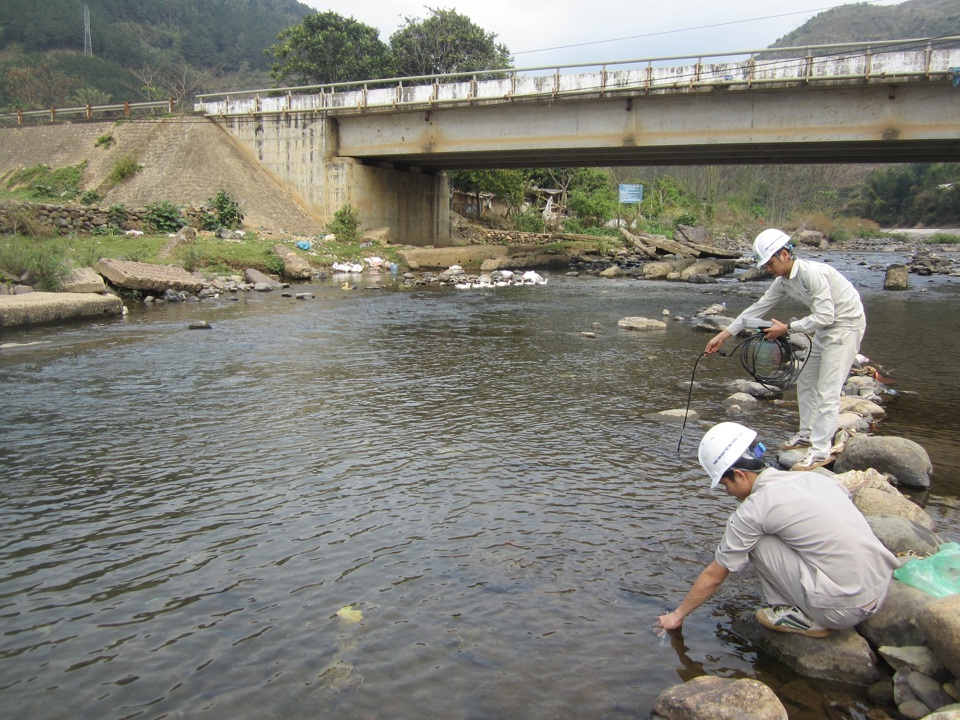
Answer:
(776, 364)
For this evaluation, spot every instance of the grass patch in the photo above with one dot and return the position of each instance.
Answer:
(42, 182)
(48, 260)
(41, 262)
(942, 239)
(124, 167)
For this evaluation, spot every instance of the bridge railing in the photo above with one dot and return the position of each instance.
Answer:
(87, 112)
(895, 60)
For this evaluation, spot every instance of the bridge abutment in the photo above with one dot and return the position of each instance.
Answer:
(300, 150)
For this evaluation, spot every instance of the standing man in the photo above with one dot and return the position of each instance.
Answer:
(837, 323)
(820, 565)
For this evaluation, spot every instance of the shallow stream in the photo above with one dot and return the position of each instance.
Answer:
(384, 504)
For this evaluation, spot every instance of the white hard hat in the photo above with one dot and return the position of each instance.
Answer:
(767, 243)
(721, 447)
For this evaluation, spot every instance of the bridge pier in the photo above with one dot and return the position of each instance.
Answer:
(300, 150)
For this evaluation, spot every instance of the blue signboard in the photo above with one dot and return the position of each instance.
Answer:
(630, 193)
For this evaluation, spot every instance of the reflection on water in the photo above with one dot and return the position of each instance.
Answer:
(185, 512)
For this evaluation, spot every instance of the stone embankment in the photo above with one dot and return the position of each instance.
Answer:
(86, 219)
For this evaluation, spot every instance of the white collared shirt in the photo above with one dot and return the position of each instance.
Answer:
(842, 563)
(829, 296)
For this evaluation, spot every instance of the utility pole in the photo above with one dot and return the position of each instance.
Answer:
(87, 44)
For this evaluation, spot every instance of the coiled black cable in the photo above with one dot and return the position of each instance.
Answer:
(781, 366)
(772, 363)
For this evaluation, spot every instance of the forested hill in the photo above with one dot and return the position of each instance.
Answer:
(861, 22)
(228, 35)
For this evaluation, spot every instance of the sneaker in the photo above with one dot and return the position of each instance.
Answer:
(797, 441)
(811, 461)
(785, 618)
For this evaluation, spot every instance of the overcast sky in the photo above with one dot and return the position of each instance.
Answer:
(582, 31)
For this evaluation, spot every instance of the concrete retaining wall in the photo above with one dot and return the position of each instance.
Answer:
(301, 151)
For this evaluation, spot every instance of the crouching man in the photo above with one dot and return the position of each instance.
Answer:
(821, 567)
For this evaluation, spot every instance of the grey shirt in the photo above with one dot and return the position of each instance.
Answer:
(842, 563)
(829, 296)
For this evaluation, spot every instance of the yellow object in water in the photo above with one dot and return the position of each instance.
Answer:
(350, 614)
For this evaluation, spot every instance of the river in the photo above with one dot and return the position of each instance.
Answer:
(396, 504)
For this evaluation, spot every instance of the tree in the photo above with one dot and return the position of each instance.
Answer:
(162, 80)
(592, 196)
(445, 42)
(39, 85)
(328, 48)
(508, 185)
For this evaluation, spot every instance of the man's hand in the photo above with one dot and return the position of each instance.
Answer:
(670, 621)
(716, 341)
(777, 329)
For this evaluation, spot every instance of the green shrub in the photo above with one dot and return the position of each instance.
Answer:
(346, 224)
(228, 210)
(208, 221)
(90, 197)
(164, 217)
(40, 262)
(273, 263)
(191, 257)
(117, 215)
(528, 222)
(943, 239)
(124, 167)
(105, 141)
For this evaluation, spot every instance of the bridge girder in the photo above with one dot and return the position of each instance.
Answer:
(875, 123)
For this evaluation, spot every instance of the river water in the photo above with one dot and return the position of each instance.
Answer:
(395, 504)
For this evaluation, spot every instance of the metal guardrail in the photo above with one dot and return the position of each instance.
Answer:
(915, 58)
(89, 111)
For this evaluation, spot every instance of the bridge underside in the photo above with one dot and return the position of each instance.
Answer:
(733, 154)
(871, 123)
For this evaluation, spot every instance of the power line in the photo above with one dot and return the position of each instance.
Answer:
(680, 30)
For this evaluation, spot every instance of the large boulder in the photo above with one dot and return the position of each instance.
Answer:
(656, 270)
(906, 460)
(896, 277)
(689, 234)
(812, 238)
(901, 536)
(842, 654)
(940, 622)
(862, 407)
(294, 266)
(895, 623)
(641, 323)
(710, 267)
(713, 323)
(255, 277)
(874, 501)
(714, 698)
(751, 387)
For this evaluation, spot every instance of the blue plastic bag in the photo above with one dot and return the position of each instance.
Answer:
(937, 575)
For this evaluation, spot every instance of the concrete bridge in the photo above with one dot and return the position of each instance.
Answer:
(383, 145)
